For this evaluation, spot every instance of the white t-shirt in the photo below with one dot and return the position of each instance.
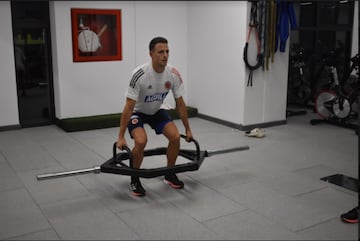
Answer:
(150, 88)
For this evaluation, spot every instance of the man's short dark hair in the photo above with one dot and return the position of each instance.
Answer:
(156, 40)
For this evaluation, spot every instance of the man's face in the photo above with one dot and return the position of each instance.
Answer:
(160, 54)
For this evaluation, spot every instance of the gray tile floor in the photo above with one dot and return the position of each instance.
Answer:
(272, 191)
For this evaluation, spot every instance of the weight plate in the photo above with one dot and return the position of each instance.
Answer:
(343, 112)
(322, 98)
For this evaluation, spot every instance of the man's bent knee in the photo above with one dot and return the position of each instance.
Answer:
(171, 132)
(140, 143)
(139, 137)
(174, 138)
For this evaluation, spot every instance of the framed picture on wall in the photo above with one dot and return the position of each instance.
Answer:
(96, 34)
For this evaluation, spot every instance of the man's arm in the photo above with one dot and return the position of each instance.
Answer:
(124, 120)
(181, 109)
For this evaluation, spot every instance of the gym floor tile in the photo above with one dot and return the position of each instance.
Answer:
(292, 184)
(86, 218)
(249, 225)
(191, 199)
(52, 190)
(8, 178)
(113, 192)
(48, 234)
(164, 221)
(333, 229)
(293, 213)
(19, 214)
(272, 191)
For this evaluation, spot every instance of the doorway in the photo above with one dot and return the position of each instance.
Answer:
(31, 33)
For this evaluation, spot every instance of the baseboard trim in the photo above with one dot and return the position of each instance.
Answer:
(239, 126)
(264, 125)
(219, 121)
(10, 127)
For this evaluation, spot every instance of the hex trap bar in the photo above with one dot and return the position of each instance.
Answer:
(117, 165)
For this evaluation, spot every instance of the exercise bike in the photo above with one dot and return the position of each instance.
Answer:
(334, 104)
(299, 89)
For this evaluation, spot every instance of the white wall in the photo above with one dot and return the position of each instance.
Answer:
(216, 39)
(167, 19)
(355, 36)
(265, 102)
(8, 96)
(95, 88)
(89, 88)
(217, 36)
(206, 42)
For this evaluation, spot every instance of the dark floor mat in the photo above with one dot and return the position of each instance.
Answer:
(343, 181)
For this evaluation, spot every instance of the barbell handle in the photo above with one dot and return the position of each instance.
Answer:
(196, 143)
(217, 152)
(123, 148)
(94, 169)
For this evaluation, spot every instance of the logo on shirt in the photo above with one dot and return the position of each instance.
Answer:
(134, 121)
(177, 73)
(167, 85)
(155, 97)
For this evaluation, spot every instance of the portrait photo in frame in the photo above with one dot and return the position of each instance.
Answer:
(96, 34)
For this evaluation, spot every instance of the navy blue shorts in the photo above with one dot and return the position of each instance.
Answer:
(157, 121)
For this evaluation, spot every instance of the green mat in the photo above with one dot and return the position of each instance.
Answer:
(104, 121)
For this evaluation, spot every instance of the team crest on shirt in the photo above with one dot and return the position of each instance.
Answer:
(168, 85)
(134, 119)
(177, 73)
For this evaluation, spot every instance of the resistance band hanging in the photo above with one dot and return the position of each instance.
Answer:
(266, 33)
(262, 27)
(270, 33)
(253, 24)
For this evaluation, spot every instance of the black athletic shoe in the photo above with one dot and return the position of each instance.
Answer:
(351, 216)
(173, 181)
(136, 188)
